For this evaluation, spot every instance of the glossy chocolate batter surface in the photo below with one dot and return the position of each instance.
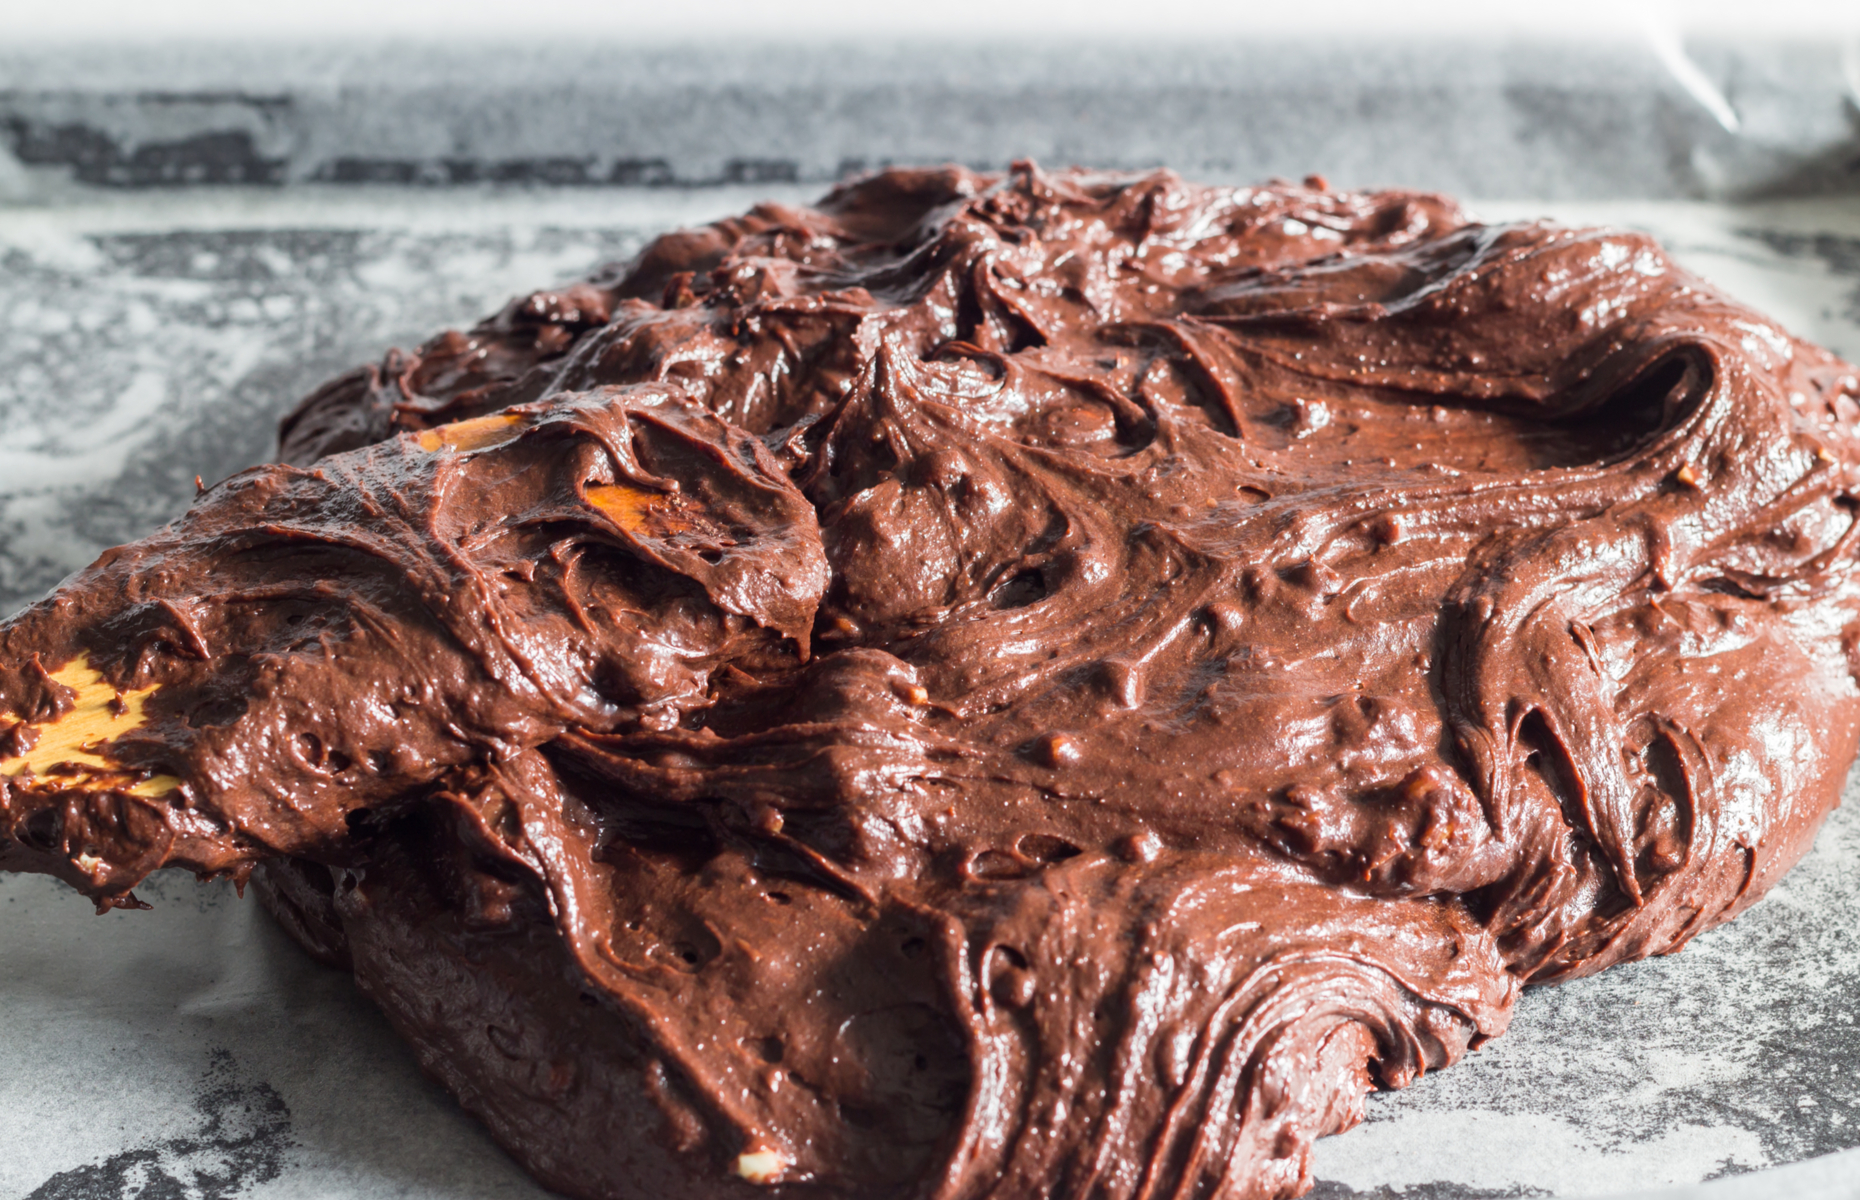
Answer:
(1048, 685)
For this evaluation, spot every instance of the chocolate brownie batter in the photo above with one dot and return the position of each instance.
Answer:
(994, 686)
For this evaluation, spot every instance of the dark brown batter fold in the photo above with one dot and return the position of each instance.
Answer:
(1021, 686)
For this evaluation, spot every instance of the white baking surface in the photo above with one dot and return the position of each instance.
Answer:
(192, 1053)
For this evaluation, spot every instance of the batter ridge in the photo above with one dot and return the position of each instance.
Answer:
(1009, 686)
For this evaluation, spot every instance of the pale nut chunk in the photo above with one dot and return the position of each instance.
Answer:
(761, 1166)
(99, 715)
(638, 510)
(479, 433)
